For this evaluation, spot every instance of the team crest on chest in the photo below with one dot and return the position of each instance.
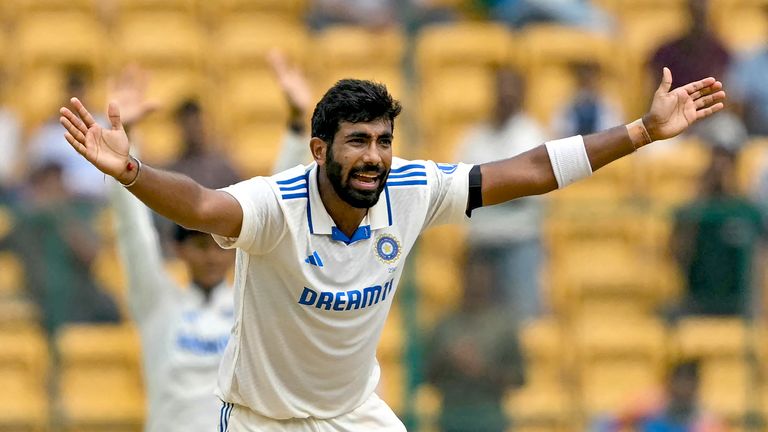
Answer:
(387, 248)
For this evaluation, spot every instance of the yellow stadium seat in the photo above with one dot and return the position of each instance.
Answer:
(673, 171)
(23, 403)
(243, 42)
(355, 52)
(37, 45)
(12, 275)
(287, 10)
(552, 44)
(253, 96)
(105, 346)
(729, 387)
(459, 95)
(17, 314)
(428, 402)
(392, 342)
(339, 45)
(164, 39)
(540, 408)
(96, 399)
(618, 358)
(464, 43)
(254, 146)
(32, 6)
(392, 384)
(751, 164)
(125, 7)
(440, 283)
(160, 139)
(546, 351)
(25, 352)
(711, 337)
(741, 24)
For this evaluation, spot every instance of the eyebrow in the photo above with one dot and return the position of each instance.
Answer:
(367, 135)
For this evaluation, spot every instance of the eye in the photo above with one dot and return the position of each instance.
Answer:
(385, 142)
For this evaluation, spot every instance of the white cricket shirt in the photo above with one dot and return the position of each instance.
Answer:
(310, 303)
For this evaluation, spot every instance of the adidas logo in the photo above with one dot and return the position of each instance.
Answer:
(314, 260)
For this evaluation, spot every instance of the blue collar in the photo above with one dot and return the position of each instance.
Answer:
(320, 222)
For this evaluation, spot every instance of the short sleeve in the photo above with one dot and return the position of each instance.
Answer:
(263, 218)
(448, 193)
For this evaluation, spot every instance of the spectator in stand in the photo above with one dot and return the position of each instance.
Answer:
(672, 409)
(46, 144)
(368, 13)
(509, 234)
(590, 110)
(200, 159)
(715, 241)
(10, 148)
(748, 96)
(697, 54)
(474, 356)
(576, 13)
(54, 237)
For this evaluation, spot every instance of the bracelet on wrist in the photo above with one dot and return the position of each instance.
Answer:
(638, 134)
(131, 167)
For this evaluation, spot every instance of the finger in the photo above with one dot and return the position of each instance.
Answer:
(717, 86)
(113, 112)
(77, 145)
(706, 101)
(71, 129)
(666, 81)
(74, 119)
(695, 86)
(83, 113)
(706, 112)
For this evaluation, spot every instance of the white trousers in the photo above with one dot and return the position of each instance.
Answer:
(374, 415)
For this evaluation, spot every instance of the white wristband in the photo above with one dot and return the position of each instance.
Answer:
(569, 160)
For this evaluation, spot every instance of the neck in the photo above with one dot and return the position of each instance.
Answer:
(207, 291)
(346, 217)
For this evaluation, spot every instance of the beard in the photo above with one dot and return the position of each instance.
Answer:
(354, 197)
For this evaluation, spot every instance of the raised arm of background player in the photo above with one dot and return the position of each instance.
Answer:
(181, 199)
(149, 283)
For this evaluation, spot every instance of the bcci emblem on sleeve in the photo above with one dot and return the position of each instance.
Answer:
(387, 248)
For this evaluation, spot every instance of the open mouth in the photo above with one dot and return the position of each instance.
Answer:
(365, 180)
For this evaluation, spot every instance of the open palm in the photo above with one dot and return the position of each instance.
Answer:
(106, 149)
(674, 111)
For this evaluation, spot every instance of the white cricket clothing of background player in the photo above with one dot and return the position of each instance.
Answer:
(329, 298)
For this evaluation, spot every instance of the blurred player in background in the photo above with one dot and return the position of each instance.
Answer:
(184, 330)
(321, 248)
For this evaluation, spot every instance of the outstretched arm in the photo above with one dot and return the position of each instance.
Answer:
(671, 112)
(174, 196)
(295, 145)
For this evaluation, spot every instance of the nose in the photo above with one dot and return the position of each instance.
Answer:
(372, 155)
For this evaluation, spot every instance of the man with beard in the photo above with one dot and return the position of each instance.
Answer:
(320, 248)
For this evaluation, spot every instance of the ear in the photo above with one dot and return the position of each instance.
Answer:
(318, 148)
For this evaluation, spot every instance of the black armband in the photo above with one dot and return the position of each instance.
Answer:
(475, 198)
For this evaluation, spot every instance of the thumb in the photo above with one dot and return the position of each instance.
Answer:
(113, 111)
(666, 81)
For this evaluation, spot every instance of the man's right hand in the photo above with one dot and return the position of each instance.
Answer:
(106, 149)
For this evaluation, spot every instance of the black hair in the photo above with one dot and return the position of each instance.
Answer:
(181, 234)
(353, 101)
(187, 108)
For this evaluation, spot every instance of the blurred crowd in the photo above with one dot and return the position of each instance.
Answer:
(54, 213)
